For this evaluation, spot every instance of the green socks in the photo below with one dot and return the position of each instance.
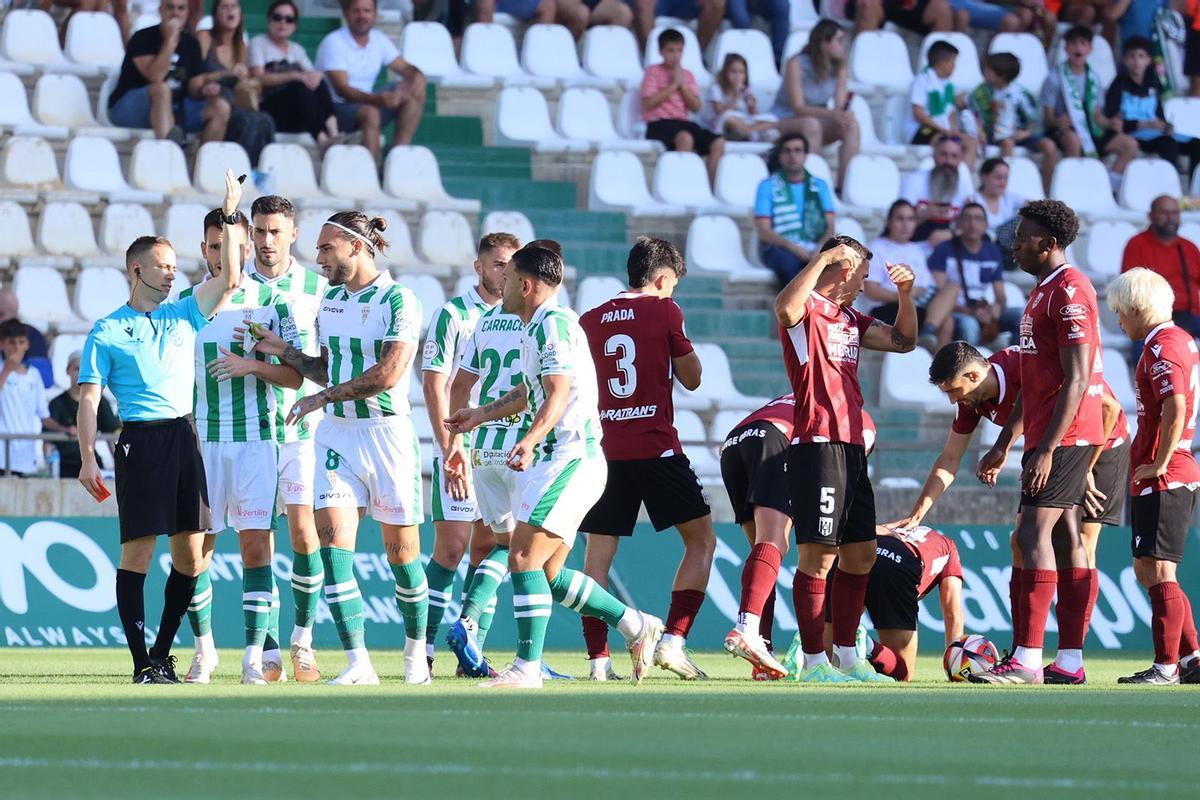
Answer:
(532, 602)
(306, 587)
(480, 602)
(273, 621)
(343, 596)
(200, 610)
(441, 584)
(412, 597)
(580, 593)
(257, 583)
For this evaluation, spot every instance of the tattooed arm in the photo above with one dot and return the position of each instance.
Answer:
(394, 359)
(315, 368)
(467, 419)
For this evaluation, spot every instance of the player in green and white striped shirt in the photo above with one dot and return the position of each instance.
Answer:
(564, 471)
(454, 506)
(235, 417)
(368, 454)
(273, 231)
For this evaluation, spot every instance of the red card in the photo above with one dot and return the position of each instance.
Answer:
(103, 490)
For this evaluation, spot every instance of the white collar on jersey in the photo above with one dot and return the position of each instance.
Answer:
(1051, 276)
(1162, 326)
(252, 270)
(1000, 380)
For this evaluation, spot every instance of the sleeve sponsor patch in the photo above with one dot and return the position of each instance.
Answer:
(1160, 368)
(1074, 311)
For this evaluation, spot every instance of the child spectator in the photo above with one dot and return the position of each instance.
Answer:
(732, 108)
(668, 93)
(934, 100)
(22, 401)
(63, 410)
(1006, 115)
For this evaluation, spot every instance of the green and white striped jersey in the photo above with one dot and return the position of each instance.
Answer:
(447, 338)
(239, 409)
(302, 289)
(554, 344)
(493, 352)
(353, 328)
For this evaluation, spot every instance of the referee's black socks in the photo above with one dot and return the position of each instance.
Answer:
(177, 596)
(131, 606)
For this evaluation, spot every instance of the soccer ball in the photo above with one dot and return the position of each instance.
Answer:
(969, 655)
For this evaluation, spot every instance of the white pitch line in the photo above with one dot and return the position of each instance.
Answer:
(546, 772)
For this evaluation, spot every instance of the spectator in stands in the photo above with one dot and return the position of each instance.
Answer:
(226, 60)
(999, 204)
(1071, 98)
(1191, 49)
(732, 107)
(1005, 114)
(351, 58)
(896, 246)
(163, 85)
(1133, 106)
(120, 12)
(22, 400)
(937, 193)
(934, 101)
(1132, 17)
(10, 308)
(294, 92)
(918, 16)
(818, 74)
(983, 15)
(707, 13)
(572, 14)
(793, 210)
(776, 13)
(63, 410)
(1160, 248)
(973, 262)
(668, 93)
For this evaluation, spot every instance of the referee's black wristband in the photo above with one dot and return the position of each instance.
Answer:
(229, 219)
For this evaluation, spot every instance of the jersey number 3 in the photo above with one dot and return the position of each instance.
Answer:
(622, 346)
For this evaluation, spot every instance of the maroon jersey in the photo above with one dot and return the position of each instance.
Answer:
(938, 554)
(781, 412)
(1007, 364)
(1061, 313)
(1168, 366)
(821, 355)
(1120, 431)
(633, 338)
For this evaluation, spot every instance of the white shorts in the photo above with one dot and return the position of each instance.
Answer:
(241, 492)
(445, 507)
(370, 463)
(497, 489)
(297, 465)
(557, 494)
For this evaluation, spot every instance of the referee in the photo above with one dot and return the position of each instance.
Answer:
(145, 352)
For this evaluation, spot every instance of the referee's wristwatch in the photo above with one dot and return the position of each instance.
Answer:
(229, 219)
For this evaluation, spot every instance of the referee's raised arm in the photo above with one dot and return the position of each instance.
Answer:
(211, 293)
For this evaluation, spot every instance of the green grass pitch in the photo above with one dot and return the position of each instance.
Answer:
(71, 726)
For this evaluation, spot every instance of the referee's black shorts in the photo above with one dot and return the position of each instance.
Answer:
(160, 479)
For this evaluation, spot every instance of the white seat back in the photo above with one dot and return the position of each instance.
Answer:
(14, 105)
(42, 296)
(92, 165)
(610, 51)
(880, 58)
(212, 159)
(1105, 248)
(61, 348)
(446, 239)
(1184, 114)
(584, 114)
(1082, 183)
(796, 41)
(522, 115)
(549, 51)
(29, 162)
(1146, 179)
(714, 244)
(596, 290)
(348, 171)
(292, 169)
(428, 47)
(411, 172)
(98, 290)
(65, 229)
(399, 254)
(121, 223)
(738, 176)
(754, 46)
(16, 238)
(30, 37)
(62, 100)
(682, 178)
(489, 49)
(1029, 51)
(871, 181)
(966, 75)
(1116, 375)
(183, 225)
(93, 37)
(430, 295)
(513, 222)
(618, 179)
(1025, 179)
(158, 165)
(904, 383)
(309, 222)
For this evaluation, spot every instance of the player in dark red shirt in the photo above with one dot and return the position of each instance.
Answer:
(833, 505)
(1165, 475)
(1062, 423)
(638, 345)
(991, 388)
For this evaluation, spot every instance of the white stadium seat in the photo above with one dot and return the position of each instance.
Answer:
(411, 172)
(428, 47)
(14, 111)
(62, 101)
(871, 182)
(754, 46)
(523, 120)
(596, 290)
(1146, 179)
(309, 222)
(1116, 374)
(31, 37)
(803, 15)
(446, 239)
(348, 172)
(714, 244)
(294, 175)
(1025, 179)
(1082, 183)
(60, 351)
(904, 383)
(610, 51)
(28, 161)
(548, 51)
(585, 115)
(1105, 246)
(1184, 114)
(42, 295)
(1029, 51)
(693, 57)
(183, 225)
(682, 179)
(880, 60)
(796, 41)
(694, 439)
(99, 290)
(849, 226)
(724, 422)
(430, 295)
(212, 159)
(717, 390)
(158, 165)
(121, 223)
(65, 229)
(92, 165)
(738, 176)
(16, 237)
(94, 39)
(618, 183)
(513, 222)
(488, 49)
(869, 141)
(399, 255)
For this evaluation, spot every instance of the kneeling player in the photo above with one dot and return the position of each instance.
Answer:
(1165, 474)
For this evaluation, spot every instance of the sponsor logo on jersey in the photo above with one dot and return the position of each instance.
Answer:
(841, 343)
(331, 309)
(629, 412)
(1159, 368)
(1156, 349)
(1026, 335)
(617, 315)
(1076, 332)
(1070, 291)
(1073, 311)
(751, 433)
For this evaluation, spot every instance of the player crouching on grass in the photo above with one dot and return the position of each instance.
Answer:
(564, 468)
(1162, 485)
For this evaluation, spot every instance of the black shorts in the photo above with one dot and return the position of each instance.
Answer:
(905, 13)
(665, 130)
(832, 499)
(892, 587)
(160, 479)
(1191, 53)
(668, 486)
(753, 458)
(1067, 482)
(1160, 523)
(1112, 479)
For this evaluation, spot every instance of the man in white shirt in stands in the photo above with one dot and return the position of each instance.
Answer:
(351, 58)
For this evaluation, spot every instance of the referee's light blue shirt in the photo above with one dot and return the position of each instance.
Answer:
(146, 359)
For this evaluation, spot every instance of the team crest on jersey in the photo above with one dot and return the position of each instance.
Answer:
(825, 526)
(366, 312)
(431, 350)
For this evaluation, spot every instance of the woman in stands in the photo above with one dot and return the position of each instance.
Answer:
(226, 55)
(294, 92)
(998, 203)
(811, 79)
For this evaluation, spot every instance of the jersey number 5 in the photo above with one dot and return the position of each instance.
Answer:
(622, 346)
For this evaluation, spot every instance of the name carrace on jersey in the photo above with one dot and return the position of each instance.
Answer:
(493, 352)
